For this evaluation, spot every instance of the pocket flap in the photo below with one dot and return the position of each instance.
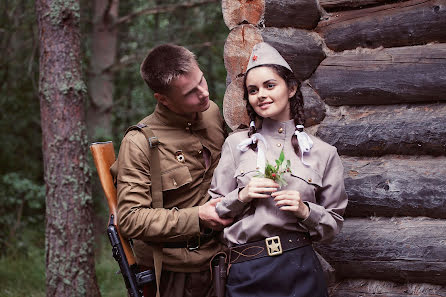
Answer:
(245, 168)
(309, 176)
(175, 178)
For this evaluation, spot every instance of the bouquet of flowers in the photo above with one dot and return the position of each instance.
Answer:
(276, 172)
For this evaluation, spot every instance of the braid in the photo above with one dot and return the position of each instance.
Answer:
(297, 114)
(252, 118)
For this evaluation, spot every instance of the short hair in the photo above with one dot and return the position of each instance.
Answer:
(163, 64)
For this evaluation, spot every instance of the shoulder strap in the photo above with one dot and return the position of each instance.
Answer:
(155, 169)
(157, 194)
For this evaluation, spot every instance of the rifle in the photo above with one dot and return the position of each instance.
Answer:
(104, 156)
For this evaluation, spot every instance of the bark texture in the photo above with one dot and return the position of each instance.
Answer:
(384, 76)
(302, 14)
(399, 249)
(103, 56)
(236, 12)
(400, 24)
(374, 288)
(238, 47)
(234, 106)
(69, 235)
(314, 107)
(300, 48)
(381, 130)
(396, 186)
(348, 4)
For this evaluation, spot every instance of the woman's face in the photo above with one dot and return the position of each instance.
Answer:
(268, 93)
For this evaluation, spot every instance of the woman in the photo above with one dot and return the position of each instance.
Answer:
(270, 239)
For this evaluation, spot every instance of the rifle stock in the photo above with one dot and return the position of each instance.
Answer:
(104, 157)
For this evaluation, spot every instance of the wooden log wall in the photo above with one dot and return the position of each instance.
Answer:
(373, 76)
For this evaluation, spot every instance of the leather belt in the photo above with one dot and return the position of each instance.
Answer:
(271, 246)
(192, 243)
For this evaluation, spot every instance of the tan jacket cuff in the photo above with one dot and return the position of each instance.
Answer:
(190, 220)
(314, 217)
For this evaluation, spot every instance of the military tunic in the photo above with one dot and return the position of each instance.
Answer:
(189, 152)
(321, 187)
(296, 272)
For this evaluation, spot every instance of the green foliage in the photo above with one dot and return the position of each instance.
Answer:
(20, 134)
(22, 205)
(24, 274)
(110, 283)
(276, 172)
(200, 29)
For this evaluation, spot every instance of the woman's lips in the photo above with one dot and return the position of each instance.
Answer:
(264, 105)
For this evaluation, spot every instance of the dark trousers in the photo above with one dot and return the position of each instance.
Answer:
(295, 273)
(183, 284)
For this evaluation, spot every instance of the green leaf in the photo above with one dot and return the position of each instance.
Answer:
(281, 157)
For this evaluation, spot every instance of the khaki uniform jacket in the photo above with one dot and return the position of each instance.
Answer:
(321, 186)
(185, 182)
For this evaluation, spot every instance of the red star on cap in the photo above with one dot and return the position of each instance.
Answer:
(254, 58)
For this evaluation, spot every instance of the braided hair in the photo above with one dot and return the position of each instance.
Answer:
(296, 103)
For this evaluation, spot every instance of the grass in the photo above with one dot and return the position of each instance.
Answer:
(23, 274)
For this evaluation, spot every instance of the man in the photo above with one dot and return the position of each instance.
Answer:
(190, 133)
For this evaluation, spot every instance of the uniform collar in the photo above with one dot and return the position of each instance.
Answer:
(172, 119)
(280, 129)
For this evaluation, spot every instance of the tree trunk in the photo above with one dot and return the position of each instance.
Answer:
(69, 236)
(374, 288)
(103, 55)
(236, 12)
(238, 48)
(348, 4)
(302, 14)
(383, 76)
(399, 24)
(395, 186)
(302, 49)
(386, 129)
(391, 249)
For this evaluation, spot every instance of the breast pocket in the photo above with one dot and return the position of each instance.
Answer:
(306, 183)
(175, 178)
(244, 172)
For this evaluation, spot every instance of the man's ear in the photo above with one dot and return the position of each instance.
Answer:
(161, 99)
(292, 91)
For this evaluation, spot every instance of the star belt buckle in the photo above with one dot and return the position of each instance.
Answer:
(273, 246)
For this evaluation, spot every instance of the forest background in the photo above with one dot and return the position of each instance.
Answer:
(117, 98)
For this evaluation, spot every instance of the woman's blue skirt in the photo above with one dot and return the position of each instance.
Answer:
(296, 273)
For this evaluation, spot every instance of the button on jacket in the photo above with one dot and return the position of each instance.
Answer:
(321, 187)
(189, 152)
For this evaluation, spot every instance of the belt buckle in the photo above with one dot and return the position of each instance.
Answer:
(273, 246)
(192, 247)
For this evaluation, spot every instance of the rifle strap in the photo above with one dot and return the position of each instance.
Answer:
(157, 191)
(154, 160)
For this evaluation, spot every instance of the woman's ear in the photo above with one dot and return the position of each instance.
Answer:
(292, 91)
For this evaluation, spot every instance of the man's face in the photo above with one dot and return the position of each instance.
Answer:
(188, 93)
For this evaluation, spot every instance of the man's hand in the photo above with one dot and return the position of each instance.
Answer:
(209, 217)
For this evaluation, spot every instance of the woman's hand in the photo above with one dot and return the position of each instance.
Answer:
(290, 201)
(258, 187)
